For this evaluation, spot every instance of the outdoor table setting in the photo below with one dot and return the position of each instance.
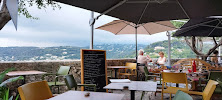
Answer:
(24, 73)
(132, 86)
(193, 77)
(85, 95)
(116, 68)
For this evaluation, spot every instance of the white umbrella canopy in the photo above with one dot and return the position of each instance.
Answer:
(123, 27)
(118, 27)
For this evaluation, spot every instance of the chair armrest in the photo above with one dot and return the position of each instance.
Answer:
(152, 75)
(193, 92)
(90, 85)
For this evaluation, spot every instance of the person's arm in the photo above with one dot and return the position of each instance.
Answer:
(158, 61)
(211, 59)
(149, 59)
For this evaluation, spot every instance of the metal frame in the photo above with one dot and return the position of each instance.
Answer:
(169, 47)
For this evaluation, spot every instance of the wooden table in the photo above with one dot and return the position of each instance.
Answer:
(134, 86)
(80, 95)
(195, 81)
(116, 69)
(24, 73)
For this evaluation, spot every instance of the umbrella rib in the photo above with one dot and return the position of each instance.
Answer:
(165, 25)
(183, 9)
(211, 26)
(110, 24)
(186, 30)
(111, 8)
(146, 30)
(143, 12)
(129, 24)
(121, 30)
(198, 24)
(215, 27)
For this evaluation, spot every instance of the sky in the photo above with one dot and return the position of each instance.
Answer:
(68, 26)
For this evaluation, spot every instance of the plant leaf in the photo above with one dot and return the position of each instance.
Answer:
(2, 75)
(11, 80)
(17, 97)
(11, 98)
(6, 95)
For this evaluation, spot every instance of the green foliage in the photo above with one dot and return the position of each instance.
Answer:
(41, 4)
(4, 94)
(179, 49)
(178, 24)
(2, 74)
(4, 91)
(13, 79)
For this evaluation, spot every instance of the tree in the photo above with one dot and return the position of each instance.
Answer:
(192, 43)
(23, 5)
(196, 43)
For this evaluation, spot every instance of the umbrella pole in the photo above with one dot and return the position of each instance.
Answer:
(92, 29)
(136, 51)
(169, 48)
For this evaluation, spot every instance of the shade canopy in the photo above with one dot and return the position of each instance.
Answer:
(204, 27)
(123, 27)
(143, 11)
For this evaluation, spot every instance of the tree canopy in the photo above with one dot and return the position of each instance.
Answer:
(23, 9)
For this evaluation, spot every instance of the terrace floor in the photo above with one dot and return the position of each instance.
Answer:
(158, 96)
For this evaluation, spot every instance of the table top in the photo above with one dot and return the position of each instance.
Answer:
(17, 73)
(134, 85)
(80, 95)
(117, 66)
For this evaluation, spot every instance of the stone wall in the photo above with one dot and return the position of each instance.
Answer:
(51, 67)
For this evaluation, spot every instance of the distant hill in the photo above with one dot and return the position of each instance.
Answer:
(179, 49)
(114, 51)
(63, 52)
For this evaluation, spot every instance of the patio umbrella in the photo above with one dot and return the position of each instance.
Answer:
(118, 27)
(143, 11)
(203, 27)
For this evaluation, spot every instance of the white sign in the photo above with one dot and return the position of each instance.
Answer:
(12, 6)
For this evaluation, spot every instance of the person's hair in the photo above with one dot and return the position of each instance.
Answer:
(161, 53)
(141, 51)
(215, 52)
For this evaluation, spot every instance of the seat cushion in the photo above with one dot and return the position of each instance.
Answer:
(57, 83)
(182, 96)
(173, 90)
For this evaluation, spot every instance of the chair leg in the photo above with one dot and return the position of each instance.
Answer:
(170, 96)
(161, 95)
(142, 95)
(58, 90)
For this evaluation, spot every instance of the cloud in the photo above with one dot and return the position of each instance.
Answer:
(68, 26)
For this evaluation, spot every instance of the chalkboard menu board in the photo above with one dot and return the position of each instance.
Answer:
(93, 69)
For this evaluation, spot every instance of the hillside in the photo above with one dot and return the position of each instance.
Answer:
(63, 52)
(179, 49)
(114, 51)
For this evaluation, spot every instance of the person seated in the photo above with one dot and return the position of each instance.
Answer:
(143, 59)
(161, 60)
(214, 59)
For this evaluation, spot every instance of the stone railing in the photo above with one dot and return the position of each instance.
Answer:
(51, 67)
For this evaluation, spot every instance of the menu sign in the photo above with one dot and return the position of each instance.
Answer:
(93, 69)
